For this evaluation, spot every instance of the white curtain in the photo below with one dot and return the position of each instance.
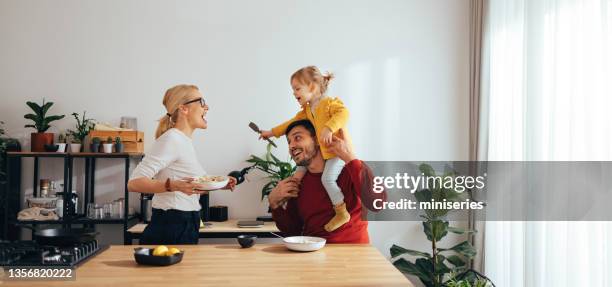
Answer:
(547, 85)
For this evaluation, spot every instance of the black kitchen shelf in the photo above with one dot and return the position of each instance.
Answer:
(89, 192)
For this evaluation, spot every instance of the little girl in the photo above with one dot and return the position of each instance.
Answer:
(329, 117)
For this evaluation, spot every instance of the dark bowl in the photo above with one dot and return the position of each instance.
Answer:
(144, 256)
(246, 241)
(51, 147)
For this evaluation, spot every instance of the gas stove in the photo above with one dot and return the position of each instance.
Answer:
(29, 253)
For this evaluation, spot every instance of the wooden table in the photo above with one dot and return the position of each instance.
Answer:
(226, 229)
(230, 265)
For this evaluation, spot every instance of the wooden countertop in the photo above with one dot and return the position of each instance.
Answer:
(230, 265)
(228, 226)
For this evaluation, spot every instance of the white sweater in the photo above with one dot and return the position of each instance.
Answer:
(172, 156)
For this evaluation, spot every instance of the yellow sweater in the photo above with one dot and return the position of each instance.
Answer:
(331, 113)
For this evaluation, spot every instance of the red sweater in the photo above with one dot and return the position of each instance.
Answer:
(312, 209)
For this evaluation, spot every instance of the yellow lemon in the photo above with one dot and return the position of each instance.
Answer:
(160, 250)
(172, 251)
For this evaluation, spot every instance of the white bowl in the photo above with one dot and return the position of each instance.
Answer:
(304, 243)
(212, 182)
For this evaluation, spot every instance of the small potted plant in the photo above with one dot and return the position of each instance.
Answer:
(118, 145)
(75, 145)
(95, 144)
(108, 145)
(82, 128)
(41, 123)
(61, 143)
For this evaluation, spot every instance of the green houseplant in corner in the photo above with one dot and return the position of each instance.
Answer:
(41, 123)
(275, 169)
(443, 267)
(82, 128)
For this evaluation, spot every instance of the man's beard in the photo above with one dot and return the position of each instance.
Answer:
(308, 154)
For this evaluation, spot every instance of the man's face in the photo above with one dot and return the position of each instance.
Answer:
(302, 146)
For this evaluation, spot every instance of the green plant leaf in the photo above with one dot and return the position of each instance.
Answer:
(413, 269)
(398, 250)
(464, 248)
(427, 170)
(435, 230)
(35, 107)
(54, 118)
(458, 230)
(45, 107)
(456, 260)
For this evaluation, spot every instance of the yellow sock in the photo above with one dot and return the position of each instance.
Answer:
(342, 216)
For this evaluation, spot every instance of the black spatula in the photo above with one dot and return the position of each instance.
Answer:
(254, 127)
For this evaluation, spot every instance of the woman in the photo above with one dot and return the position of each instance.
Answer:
(167, 167)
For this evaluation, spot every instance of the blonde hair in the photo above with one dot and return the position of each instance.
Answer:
(173, 98)
(311, 75)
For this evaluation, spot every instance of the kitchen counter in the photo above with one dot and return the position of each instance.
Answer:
(230, 265)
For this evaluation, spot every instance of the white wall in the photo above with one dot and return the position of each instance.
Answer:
(401, 67)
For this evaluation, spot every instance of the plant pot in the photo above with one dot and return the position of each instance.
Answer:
(61, 147)
(75, 147)
(95, 147)
(119, 147)
(39, 140)
(108, 148)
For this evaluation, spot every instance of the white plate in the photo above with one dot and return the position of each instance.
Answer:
(209, 183)
(304, 243)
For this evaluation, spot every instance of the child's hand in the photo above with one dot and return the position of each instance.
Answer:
(265, 135)
(326, 136)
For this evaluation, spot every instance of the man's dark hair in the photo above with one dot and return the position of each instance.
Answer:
(306, 124)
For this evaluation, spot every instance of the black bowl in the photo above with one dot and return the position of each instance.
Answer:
(246, 241)
(144, 256)
(51, 147)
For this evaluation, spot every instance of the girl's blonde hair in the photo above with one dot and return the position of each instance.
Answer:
(311, 75)
(173, 98)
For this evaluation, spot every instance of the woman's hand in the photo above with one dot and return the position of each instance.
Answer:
(187, 186)
(284, 190)
(266, 135)
(231, 184)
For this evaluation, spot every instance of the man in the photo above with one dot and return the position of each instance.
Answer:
(308, 205)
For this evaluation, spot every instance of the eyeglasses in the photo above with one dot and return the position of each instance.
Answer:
(201, 100)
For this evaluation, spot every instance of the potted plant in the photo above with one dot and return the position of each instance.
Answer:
(41, 123)
(95, 144)
(118, 145)
(82, 128)
(443, 267)
(61, 143)
(75, 145)
(108, 145)
(275, 169)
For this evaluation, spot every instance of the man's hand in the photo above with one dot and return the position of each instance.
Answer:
(339, 147)
(326, 136)
(284, 190)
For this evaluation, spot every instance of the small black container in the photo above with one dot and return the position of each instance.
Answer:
(246, 241)
(145, 256)
(218, 213)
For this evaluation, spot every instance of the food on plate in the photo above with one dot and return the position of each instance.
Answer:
(211, 179)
